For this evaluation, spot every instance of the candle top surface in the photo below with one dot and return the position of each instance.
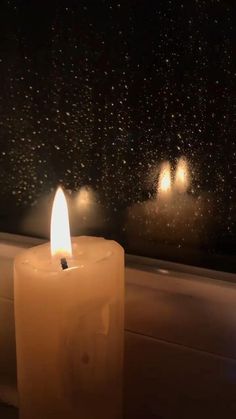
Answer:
(86, 251)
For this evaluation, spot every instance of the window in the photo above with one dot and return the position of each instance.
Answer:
(128, 105)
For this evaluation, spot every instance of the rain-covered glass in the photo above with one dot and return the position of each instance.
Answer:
(129, 106)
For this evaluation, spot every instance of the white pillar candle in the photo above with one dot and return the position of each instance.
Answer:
(69, 329)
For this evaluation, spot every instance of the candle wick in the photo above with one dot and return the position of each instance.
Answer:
(64, 263)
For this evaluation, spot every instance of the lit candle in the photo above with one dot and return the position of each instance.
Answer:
(69, 325)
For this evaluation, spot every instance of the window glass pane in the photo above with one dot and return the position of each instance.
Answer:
(128, 105)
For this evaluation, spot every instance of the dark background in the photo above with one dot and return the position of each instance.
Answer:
(99, 93)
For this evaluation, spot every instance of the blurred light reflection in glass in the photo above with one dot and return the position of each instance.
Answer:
(182, 177)
(164, 181)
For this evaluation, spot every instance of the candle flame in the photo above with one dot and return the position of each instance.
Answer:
(164, 181)
(60, 228)
(182, 175)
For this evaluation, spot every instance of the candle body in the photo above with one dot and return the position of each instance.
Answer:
(69, 331)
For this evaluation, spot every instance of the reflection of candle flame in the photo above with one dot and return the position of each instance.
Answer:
(182, 175)
(164, 181)
(60, 228)
(85, 197)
